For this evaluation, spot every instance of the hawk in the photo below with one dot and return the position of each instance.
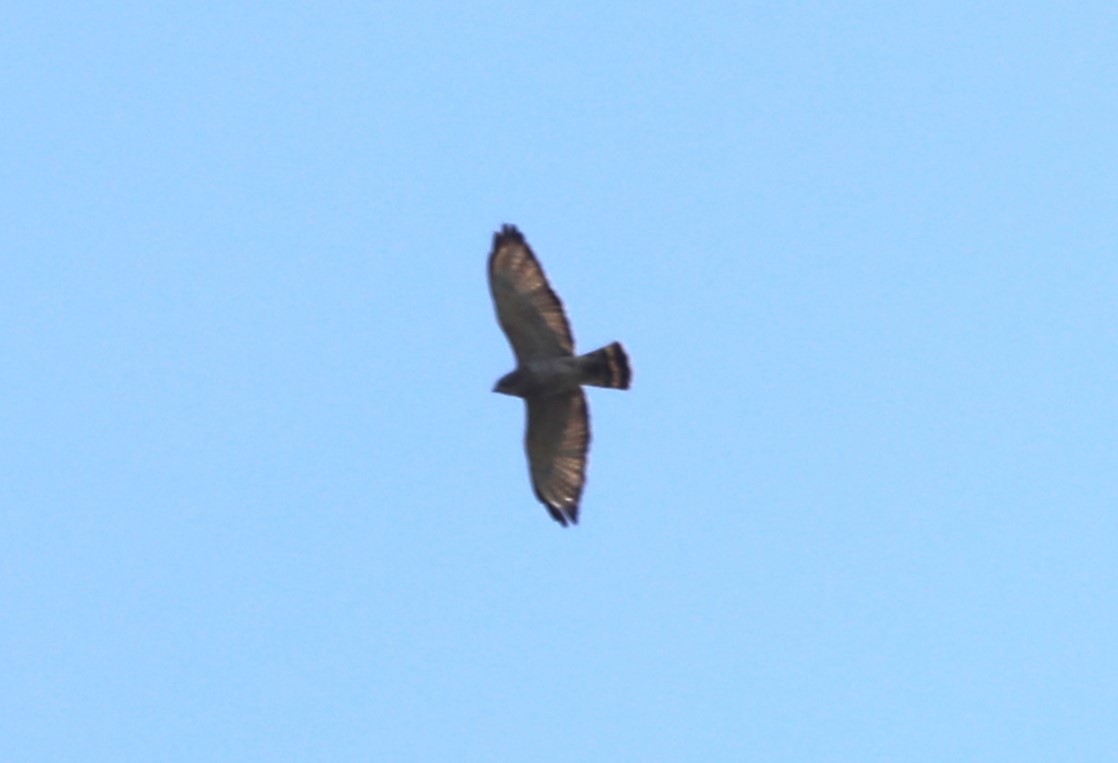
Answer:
(549, 376)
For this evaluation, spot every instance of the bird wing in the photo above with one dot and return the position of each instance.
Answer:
(528, 310)
(557, 441)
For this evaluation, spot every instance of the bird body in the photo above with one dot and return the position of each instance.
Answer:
(548, 376)
(605, 367)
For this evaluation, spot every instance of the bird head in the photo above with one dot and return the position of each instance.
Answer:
(509, 384)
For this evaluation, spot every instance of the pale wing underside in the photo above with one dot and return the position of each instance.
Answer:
(530, 314)
(557, 440)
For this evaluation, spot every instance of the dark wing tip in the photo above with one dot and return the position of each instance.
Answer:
(566, 517)
(508, 234)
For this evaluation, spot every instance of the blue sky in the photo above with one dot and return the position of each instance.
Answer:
(260, 504)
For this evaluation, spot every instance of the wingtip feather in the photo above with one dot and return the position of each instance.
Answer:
(508, 234)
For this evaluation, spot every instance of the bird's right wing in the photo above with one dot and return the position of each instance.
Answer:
(557, 441)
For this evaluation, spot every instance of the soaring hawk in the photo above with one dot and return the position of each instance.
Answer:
(549, 376)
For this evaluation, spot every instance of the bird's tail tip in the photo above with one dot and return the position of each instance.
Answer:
(609, 367)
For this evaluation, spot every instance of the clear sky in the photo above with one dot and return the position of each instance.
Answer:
(258, 502)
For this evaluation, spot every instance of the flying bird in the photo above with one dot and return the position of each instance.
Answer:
(549, 376)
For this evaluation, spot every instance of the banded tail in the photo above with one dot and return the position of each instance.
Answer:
(607, 367)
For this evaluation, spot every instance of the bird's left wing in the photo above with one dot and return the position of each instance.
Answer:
(528, 310)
